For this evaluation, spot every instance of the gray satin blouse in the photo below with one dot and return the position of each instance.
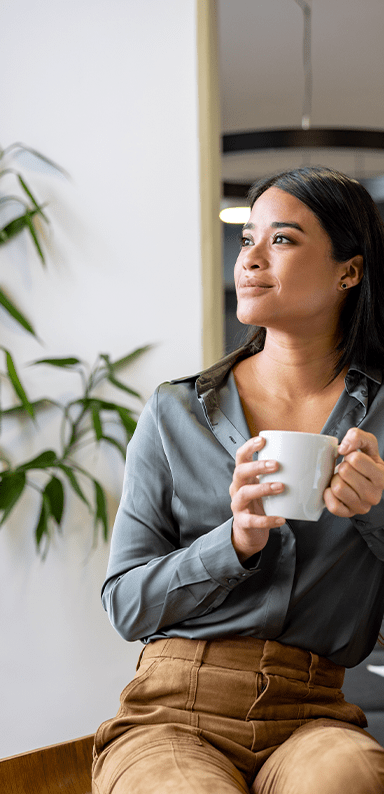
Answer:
(173, 571)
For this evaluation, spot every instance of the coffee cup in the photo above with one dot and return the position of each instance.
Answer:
(306, 465)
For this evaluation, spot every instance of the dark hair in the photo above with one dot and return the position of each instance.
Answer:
(351, 219)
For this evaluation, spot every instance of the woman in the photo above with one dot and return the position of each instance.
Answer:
(248, 621)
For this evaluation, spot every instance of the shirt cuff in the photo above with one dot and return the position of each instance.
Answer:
(220, 560)
(371, 528)
(253, 563)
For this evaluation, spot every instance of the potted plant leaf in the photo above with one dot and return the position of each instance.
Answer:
(86, 417)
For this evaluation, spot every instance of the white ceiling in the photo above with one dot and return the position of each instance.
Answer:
(262, 77)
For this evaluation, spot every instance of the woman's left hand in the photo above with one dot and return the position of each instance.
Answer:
(358, 481)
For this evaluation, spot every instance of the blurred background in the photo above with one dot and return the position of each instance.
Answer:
(138, 100)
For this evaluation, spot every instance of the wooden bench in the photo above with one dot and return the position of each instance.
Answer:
(64, 767)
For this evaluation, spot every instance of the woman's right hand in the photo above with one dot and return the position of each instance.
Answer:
(250, 529)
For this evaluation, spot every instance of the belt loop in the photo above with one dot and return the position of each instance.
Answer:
(140, 657)
(313, 668)
(200, 651)
(195, 667)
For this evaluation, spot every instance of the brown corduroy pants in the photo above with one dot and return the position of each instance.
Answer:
(238, 714)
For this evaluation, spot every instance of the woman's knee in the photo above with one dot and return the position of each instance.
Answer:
(165, 759)
(324, 756)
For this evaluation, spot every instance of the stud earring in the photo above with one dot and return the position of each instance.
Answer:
(344, 285)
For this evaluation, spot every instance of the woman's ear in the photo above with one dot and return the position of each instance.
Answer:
(351, 272)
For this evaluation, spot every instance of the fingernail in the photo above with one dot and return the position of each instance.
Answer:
(276, 486)
(270, 464)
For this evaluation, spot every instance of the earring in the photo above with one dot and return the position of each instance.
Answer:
(344, 285)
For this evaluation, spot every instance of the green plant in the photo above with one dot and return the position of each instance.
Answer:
(25, 207)
(86, 418)
(84, 421)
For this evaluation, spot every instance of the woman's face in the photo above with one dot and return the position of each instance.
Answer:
(285, 275)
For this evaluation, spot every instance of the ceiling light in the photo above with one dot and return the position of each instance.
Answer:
(234, 215)
(234, 210)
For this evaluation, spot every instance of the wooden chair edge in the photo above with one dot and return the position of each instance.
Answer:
(81, 740)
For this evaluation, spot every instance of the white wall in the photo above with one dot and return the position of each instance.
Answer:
(107, 88)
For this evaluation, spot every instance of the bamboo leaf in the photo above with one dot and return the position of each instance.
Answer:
(125, 415)
(37, 154)
(87, 402)
(43, 461)
(45, 402)
(105, 405)
(127, 420)
(116, 444)
(42, 527)
(73, 482)
(31, 196)
(122, 362)
(12, 229)
(125, 360)
(98, 428)
(15, 313)
(122, 386)
(91, 404)
(15, 380)
(54, 492)
(16, 226)
(128, 359)
(11, 487)
(34, 236)
(100, 509)
(107, 361)
(10, 199)
(68, 362)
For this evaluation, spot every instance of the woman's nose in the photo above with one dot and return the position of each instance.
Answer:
(254, 258)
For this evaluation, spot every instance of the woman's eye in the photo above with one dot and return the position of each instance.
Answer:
(244, 241)
(281, 238)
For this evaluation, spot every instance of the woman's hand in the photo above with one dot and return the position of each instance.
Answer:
(358, 482)
(251, 526)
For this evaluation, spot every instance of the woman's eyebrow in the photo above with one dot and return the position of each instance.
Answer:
(276, 225)
(281, 224)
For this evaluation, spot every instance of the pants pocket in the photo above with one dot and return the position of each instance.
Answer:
(108, 730)
(143, 671)
(160, 685)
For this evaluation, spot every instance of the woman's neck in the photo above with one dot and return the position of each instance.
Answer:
(296, 365)
(289, 385)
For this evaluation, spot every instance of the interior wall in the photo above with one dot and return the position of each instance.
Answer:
(108, 89)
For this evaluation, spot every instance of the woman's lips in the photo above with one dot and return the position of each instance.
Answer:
(255, 286)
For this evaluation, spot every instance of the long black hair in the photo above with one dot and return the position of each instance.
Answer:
(351, 219)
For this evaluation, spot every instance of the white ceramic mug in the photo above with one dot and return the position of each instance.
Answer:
(306, 465)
